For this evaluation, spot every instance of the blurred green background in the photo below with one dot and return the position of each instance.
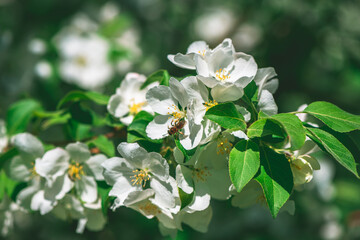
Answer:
(314, 46)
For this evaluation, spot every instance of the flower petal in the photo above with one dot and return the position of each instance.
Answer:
(79, 152)
(197, 46)
(227, 92)
(161, 100)
(29, 146)
(116, 168)
(54, 163)
(157, 165)
(94, 165)
(87, 189)
(267, 103)
(159, 127)
(19, 169)
(58, 189)
(39, 203)
(121, 190)
(117, 107)
(178, 92)
(183, 61)
(133, 153)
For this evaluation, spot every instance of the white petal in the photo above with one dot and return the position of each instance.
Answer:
(219, 183)
(178, 155)
(199, 220)
(302, 171)
(219, 59)
(246, 114)
(161, 100)
(79, 152)
(95, 219)
(94, 164)
(183, 61)
(202, 68)
(265, 79)
(58, 188)
(195, 88)
(53, 164)
(192, 136)
(87, 189)
(197, 46)
(138, 196)
(267, 103)
(163, 193)
(121, 189)
(240, 134)
(133, 153)
(159, 127)
(29, 146)
(179, 92)
(24, 197)
(226, 92)
(157, 165)
(201, 199)
(117, 106)
(115, 168)
(184, 179)
(19, 169)
(245, 68)
(39, 203)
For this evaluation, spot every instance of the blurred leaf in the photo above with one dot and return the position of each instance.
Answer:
(75, 96)
(78, 131)
(104, 145)
(227, 116)
(19, 115)
(275, 178)
(334, 147)
(61, 119)
(7, 185)
(115, 27)
(334, 117)
(185, 198)
(244, 162)
(160, 76)
(103, 190)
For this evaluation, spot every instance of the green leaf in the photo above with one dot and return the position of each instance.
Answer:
(61, 119)
(104, 145)
(275, 178)
(185, 198)
(7, 156)
(334, 117)
(264, 127)
(78, 131)
(103, 190)
(160, 76)
(334, 147)
(7, 185)
(75, 96)
(227, 116)
(19, 115)
(294, 129)
(244, 163)
(115, 26)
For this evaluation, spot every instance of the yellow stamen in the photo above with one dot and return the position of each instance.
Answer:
(222, 75)
(200, 174)
(33, 170)
(81, 61)
(210, 104)
(176, 113)
(136, 108)
(224, 146)
(75, 171)
(149, 209)
(140, 177)
(202, 52)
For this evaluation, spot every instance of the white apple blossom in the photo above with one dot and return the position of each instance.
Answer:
(205, 174)
(303, 164)
(74, 166)
(130, 174)
(7, 215)
(267, 82)
(198, 48)
(226, 73)
(22, 166)
(3, 136)
(84, 60)
(89, 216)
(129, 98)
(181, 101)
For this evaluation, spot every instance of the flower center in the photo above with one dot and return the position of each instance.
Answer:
(140, 177)
(202, 52)
(222, 75)
(136, 108)
(81, 61)
(200, 174)
(210, 104)
(75, 171)
(223, 146)
(33, 170)
(176, 113)
(149, 209)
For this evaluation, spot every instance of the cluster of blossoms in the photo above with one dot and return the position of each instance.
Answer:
(176, 183)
